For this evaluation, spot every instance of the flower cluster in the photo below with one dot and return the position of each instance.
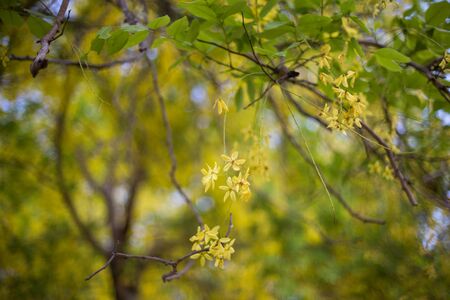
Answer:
(221, 106)
(236, 185)
(210, 176)
(444, 62)
(381, 5)
(349, 108)
(376, 168)
(258, 154)
(324, 61)
(209, 246)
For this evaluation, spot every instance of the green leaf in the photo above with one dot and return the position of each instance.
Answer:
(11, 18)
(176, 29)
(193, 30)
(199, 9)
(104, 33)
(238, 98)
(347, 6)
(360, 24)
(233, 9)
(137, 38)
(250, 88)
(314, 21)
(117, 41)
(392, 54)
(275, 24)
(159, 22)
(356, 47)
(389, 58)
(388, 64)
(437, 13)
(268, 52)
(38, 27)
(267, 8)
(133, 28)
(38, 14)
(97, 44)
(277, 32)
(310, 23)
(158, 42)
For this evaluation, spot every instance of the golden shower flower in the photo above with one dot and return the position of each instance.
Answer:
(221, 106)
(231, 189)
(210, 176)
(232, 161)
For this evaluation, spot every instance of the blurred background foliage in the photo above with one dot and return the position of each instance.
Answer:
(291, 242)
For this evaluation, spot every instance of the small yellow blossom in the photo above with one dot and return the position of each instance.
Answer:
(386, 172)
(210, 176)
(211, 247)
(231, 189)
(444, 62)
(243, 185)
(221, 106)
(222, 251)
(325, 78)
(232, 161)
(346, 24)
(324, 61)
(203, 257)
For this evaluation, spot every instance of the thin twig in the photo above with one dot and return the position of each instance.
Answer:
(167, 262)
(261, 65)
(271, 84)
(249, 57)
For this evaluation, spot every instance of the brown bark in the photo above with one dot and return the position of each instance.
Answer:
(123, 289)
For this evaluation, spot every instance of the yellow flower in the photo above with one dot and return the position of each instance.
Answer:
(221, 106)
(340, 92)
(211, 234)
(210, 246)
(232, 161)
(325, 78)
(210, 176)
(243, 186)
(231, 189)
(342, 79)
(445, 60)
(203, 257)
(222, 250)
(325, 60)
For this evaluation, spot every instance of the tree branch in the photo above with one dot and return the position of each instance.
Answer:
(79, 64)
(40, 62)
(238, 53)
(391, 156)
(392, 159)
(424, 70)
(299, 149)
(166, 277)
